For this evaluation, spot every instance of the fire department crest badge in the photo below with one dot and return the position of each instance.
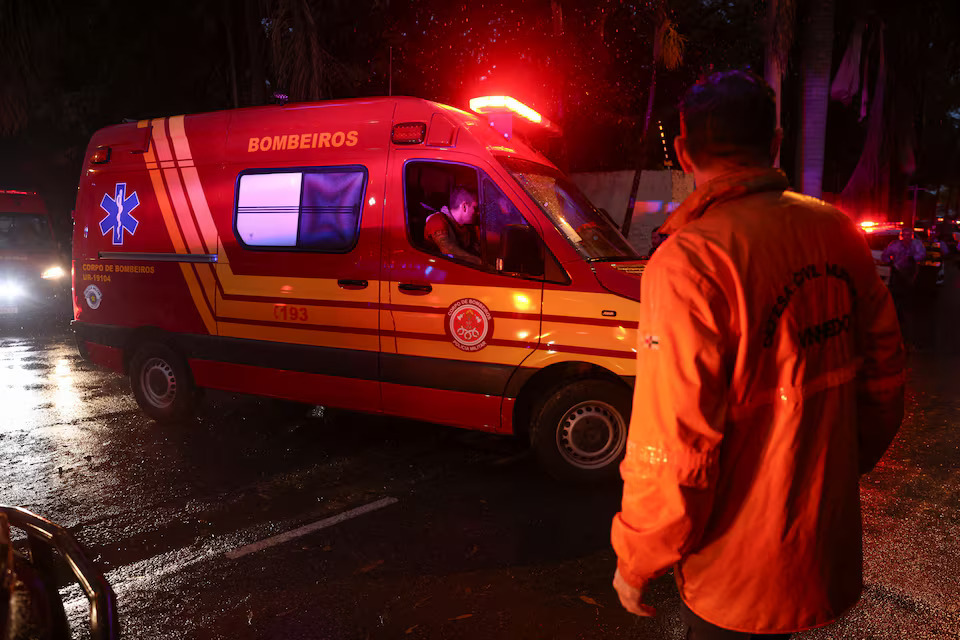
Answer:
(93, 296)
(469, 324)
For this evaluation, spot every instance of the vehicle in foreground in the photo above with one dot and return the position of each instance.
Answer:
(30, 602)
(280, 251)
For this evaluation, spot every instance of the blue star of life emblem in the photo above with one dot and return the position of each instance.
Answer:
(118, 210)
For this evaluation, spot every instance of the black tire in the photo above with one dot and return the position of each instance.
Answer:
(579, 432)
(162, 383)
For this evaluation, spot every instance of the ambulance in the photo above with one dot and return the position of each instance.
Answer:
(280, 251)
(33, 277)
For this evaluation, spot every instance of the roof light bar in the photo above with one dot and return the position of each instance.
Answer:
(501, 104)
(869, 226)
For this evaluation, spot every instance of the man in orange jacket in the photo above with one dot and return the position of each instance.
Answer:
(769, 377)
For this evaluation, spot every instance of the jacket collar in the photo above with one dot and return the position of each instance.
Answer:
(729, 186)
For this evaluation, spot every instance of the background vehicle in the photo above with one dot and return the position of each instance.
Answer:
(878, 236)
(931, 270)
(30, 603)
(32, 274)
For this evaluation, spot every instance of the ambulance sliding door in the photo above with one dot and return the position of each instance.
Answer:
(461, 329)
(299, 261)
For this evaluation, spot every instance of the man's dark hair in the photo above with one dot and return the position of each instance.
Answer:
(458, 195)
(729, 115)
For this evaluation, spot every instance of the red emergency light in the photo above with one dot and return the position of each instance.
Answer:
(409, 132)
(869, 226)
(501, 110)
(504, 104)
(100, 156)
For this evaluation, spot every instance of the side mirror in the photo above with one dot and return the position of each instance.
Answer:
(520, 251)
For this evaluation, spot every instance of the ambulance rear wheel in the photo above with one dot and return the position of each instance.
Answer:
(162, 383)
(579, 433)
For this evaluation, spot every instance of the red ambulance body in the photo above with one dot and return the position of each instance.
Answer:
(279, 251)
(32, 274)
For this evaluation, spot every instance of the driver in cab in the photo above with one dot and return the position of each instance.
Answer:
(452, 231)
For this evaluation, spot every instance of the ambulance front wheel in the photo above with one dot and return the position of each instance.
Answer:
(579, 433)
(162, 383)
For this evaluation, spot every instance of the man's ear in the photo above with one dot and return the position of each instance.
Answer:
(680, 147)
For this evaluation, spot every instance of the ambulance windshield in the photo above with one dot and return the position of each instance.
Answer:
(592, 233)
(25, 232)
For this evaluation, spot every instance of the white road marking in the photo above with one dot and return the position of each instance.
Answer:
(309, 528)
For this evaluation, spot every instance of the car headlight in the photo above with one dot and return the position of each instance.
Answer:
(53, 273)
(10, 290)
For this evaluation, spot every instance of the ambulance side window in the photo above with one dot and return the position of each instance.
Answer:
(427, 187)
(500, 237)
(301, 210)
(511, 244)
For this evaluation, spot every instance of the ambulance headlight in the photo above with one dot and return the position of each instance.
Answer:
(10, 291)
(53, 273)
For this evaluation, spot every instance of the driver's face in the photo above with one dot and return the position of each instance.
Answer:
(466, 213)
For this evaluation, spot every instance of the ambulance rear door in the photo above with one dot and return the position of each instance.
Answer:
(461, 330)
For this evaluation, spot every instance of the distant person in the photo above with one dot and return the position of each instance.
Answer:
(905, 255)
(769, 377)
(452, 230)
(944, 239)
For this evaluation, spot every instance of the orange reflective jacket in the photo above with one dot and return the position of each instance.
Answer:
(769, 377)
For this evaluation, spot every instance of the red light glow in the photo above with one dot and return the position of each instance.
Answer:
(501, 104)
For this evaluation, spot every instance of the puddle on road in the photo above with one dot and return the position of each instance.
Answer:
(29, 388)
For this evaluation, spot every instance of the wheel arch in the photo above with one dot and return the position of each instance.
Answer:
(536, 389)
(143, 335)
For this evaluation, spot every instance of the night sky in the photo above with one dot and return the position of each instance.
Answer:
(72, 68)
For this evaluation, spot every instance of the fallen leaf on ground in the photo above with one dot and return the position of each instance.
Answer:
(370, 567)
(590, 600)
(463, 617)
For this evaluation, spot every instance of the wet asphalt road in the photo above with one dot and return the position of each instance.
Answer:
(453, 534)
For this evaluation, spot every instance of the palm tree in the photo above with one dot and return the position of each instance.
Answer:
(28, 31)
(779, 28)
(815, 62)
(668, 47)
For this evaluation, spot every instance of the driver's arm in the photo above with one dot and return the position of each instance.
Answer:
(448, 245)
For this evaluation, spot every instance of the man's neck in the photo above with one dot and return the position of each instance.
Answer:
(453, 220)
(704, 175)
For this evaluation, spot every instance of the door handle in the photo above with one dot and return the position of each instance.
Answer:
(352, 284)
(415, 289)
